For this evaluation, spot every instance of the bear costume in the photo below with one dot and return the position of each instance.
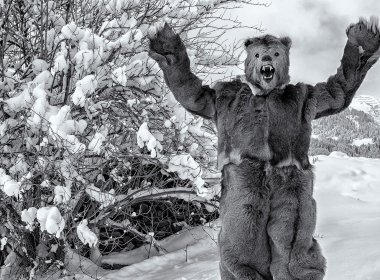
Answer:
(267, 210)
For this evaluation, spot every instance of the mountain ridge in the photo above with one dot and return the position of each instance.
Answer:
(355, 131)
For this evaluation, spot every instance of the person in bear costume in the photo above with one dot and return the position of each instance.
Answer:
(267, 210)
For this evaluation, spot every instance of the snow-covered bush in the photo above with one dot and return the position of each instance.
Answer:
(92, 142)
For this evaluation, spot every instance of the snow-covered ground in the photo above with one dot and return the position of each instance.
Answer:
(364, 141)
(347, 191)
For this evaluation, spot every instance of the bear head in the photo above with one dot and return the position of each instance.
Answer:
(267, 62)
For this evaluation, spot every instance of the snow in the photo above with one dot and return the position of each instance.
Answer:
(364, 141)
(84, 87)
(96, 143)
(367, 104)
(178, 192)
(3, 242)
(86, 59)
(119, 76)
(85, 234)
(348, 200)
(39, 107)
(50, 219)
(20, 101)
(62, 194)
(71, 31)
(116, 5)
(39, 65)
(110, 27)
(3, 178)
(62, 128)
(132, 102)
(128, 41)
(60, 63)
(8, 123)
(20, 166)
(364, 103)
(28, 216)
(353, 119)
(187, 168)
(12, 188)
(104, 198)
(145, 138)
(44, 78)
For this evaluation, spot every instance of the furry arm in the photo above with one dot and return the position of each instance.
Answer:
(168, 50)
(360, 53)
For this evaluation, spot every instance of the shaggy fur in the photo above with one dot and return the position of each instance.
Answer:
(244, 212)
(295, 253)
(267, 209)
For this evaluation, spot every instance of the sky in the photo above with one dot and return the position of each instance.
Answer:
(318, 31)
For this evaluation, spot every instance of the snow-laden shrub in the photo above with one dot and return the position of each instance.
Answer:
(91, 140)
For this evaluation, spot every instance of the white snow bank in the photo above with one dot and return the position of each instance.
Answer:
(364, 141)
(199, 240)
(348, 200)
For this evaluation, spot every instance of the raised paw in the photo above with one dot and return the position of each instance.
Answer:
(365, 33)
(166, 46)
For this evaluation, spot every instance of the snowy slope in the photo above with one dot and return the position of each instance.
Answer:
(347, 191)
(367, 104)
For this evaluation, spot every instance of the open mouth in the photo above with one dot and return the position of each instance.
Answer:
(267, 71)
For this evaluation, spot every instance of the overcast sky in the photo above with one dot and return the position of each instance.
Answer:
(317, 28)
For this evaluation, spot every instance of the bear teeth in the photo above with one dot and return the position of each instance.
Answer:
(267, 68)
(267, 71)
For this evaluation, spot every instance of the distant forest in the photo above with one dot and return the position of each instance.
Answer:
(337, 133)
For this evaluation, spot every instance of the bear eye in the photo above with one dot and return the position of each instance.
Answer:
(257, 55)
(276, 54)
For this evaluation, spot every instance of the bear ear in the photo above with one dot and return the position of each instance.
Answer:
(286, 41)
(248, 42)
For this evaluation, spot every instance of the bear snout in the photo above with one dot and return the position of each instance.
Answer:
(266, 58)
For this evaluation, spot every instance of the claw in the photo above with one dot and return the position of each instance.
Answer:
(363, 20)
(374, 23)
(154, 29)
(366, 23)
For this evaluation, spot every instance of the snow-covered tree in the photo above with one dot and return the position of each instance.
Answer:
(90, 135)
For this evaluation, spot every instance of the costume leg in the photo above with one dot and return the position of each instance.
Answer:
(295, 253)
(244, 211)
